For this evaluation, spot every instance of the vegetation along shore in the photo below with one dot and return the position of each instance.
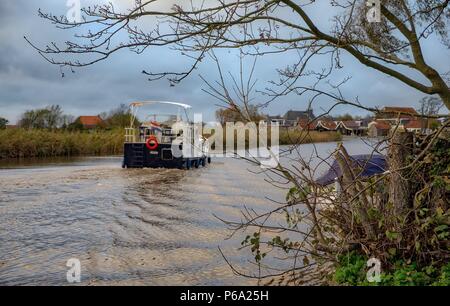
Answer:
(48, 132)
(22, 143)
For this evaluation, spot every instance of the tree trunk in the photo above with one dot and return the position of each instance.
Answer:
(446, 98)
(352, 187)
(400, 187)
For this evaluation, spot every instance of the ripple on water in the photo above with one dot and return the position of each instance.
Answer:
(128, 227)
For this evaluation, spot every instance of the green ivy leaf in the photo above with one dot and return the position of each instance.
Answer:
(441, 228)
(392, 235)
(392, 251)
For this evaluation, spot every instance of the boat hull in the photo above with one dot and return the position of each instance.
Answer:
(138, 155)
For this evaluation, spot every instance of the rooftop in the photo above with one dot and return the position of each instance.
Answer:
(381, 125)
(350, 124)
(415, 124)
(306, 124)
(327, 124)
(295, 115)
(90, 120)
(395, 109)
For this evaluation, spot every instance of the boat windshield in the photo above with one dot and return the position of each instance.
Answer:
(166, 120)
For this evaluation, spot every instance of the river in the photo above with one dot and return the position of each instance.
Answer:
(133, 226)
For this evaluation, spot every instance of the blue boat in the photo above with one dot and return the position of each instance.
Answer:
(370, 164)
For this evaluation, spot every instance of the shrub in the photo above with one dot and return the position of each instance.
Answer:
(351, 270)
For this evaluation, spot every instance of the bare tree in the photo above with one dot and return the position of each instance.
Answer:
(392, 47)
(429, 106)
(321, 223)
(118, 117)
(67, 120)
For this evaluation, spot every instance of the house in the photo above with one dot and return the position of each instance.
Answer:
(11, 126)
(90, 122)
(393, 111)
(272, 120)
(416, 126)
(403, 117)
(351, 127)
(306, 124)
(325, 125)
(394, 114)
(365, 121)
(378, 128)
(291, 118)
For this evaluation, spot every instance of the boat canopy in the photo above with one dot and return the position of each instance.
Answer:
(134, 106)
(142, 103)
(371, 165)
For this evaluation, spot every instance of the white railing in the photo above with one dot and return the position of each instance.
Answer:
(130, 135)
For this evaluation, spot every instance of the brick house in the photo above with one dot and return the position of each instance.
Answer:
(90, 122)
(351, 127)
(325, 125)
(378, 128)
(393, 112)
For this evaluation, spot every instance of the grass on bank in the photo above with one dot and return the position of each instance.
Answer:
(22, 143)
(294, 136)
(25, 143)
(289, 136)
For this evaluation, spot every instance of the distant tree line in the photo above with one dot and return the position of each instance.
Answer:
(235, 114)
(428, 107)
(3, 123)
(52, 117)
(231, 114)
(117, 117)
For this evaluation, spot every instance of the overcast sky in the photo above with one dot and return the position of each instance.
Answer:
(27, 81)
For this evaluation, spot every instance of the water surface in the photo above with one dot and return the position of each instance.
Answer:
(133, 226)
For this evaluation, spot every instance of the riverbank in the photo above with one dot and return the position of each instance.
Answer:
(34, 143)
(294, 136)
(21, 143)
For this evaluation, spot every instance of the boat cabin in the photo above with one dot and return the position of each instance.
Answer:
(168, 140)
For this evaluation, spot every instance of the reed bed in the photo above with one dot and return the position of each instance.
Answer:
(287, 136)
(295, 136)
(22, 143)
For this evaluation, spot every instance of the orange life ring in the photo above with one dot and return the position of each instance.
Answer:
(152, 143)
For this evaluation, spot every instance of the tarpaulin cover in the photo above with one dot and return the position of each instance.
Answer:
(371, 165)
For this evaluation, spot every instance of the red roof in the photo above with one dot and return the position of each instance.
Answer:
(395, 109)
(415, 124)
(305, 124)
(381, 125)
(90, 120)
(350, 124)
(327, 124)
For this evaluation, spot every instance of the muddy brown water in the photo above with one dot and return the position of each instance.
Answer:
(133, 226)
